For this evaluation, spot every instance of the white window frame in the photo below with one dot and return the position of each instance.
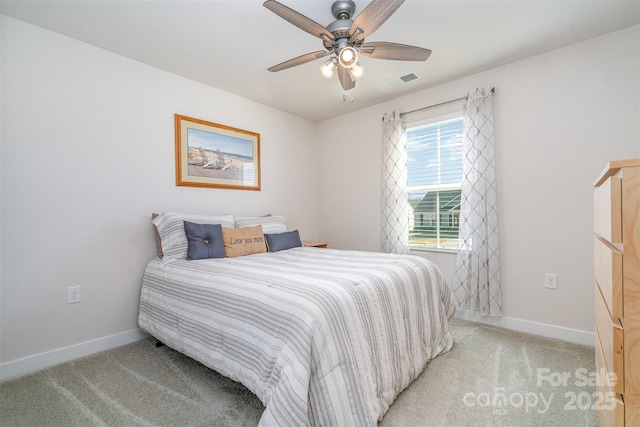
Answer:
(440, 187)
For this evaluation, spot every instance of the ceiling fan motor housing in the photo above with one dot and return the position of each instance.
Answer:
(342, 10)
(340, 28)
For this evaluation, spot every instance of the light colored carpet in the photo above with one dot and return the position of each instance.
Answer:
(491, 377)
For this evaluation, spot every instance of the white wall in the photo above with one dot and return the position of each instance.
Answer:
(87, 156)
(559, 117)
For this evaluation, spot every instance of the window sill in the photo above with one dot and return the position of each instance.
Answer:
(437, 250)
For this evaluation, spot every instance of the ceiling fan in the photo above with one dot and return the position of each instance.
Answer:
(343, 39)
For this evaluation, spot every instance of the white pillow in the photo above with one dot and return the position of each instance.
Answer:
(270, 224)
(170, 226)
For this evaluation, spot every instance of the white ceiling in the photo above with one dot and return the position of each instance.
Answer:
(230, 44)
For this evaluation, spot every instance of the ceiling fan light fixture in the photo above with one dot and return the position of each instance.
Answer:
(357, 71)
(328, 69)
(348, 57)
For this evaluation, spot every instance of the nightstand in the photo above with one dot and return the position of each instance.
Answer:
(315, 244)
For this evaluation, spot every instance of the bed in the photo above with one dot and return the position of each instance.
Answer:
(323, 337)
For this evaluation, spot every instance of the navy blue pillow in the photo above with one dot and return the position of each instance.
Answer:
(204, 240)
(281, 241)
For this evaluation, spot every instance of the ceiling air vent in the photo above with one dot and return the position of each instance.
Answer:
(408, 77)
(401, 80)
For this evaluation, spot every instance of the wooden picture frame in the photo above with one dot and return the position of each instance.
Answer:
(216, 156)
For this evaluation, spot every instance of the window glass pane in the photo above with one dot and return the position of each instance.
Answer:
(434, 178)
(434, 219)
(434, 154)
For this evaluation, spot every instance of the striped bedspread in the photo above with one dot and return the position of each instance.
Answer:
(323, 337)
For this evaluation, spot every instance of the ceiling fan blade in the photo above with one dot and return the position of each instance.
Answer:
(298, 19)
(345, 78)
(372, 17)
(395, 51)
(303, 59)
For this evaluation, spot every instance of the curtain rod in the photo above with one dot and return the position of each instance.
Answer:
(493, 89)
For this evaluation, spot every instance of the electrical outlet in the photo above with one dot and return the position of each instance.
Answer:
(73, 294)
(551, 280)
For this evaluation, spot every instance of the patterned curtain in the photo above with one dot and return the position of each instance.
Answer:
(477, 276)
(395, 213)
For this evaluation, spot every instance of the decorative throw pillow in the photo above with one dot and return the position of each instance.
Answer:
(281, 241)
(270, 224)
(205, 240)
(170, 226)
(243, 241)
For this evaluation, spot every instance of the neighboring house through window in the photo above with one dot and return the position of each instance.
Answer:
(434, 181)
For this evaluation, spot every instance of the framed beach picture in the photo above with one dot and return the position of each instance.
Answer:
(216, 156)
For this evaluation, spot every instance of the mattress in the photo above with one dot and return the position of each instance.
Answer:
(321, 336)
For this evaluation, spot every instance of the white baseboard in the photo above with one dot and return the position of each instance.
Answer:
(36, 362)
(550, 331)
(47, 359)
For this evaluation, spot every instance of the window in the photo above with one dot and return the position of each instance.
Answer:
(434, 180)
